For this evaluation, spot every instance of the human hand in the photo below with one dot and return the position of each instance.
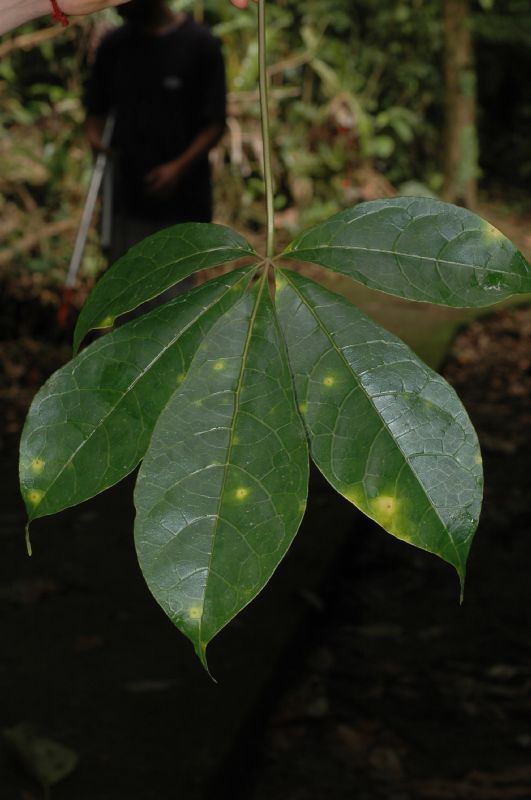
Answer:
(164, 179)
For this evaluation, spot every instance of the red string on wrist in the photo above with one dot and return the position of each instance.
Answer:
(58, 15)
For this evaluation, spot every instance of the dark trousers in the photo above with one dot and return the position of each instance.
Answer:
(128, 231)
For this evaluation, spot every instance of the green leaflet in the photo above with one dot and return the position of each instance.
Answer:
(386, 431)
(420, 249)
(222, 489)
(90, 424)
(154, 265)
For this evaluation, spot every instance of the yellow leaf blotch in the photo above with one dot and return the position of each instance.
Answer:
(478, 460)
(180, 378)
(279, 283)
(37, 466)
(355, 494)
(35, 496)
(384, 507)
(106, 321)
(492, 233)
(241, 493)
(194, 612)
(303, 408)
(329, 380)
(219, 365)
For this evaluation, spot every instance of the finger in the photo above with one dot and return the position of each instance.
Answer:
(155, 186)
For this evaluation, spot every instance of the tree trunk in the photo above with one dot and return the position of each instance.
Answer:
(461, 147)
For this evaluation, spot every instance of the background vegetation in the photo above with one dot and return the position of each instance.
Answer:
(359, 105)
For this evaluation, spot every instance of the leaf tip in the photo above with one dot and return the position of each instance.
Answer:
(461, 575)
(200, 649)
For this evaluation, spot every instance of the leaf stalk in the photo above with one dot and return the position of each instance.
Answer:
(266, 135)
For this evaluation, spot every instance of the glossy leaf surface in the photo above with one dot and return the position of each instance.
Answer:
(90, 424)
(419, 249)
(387, 432)
(222, 489)
(153, 266)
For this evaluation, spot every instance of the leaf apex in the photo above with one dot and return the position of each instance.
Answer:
(200, 649)
(461, 574)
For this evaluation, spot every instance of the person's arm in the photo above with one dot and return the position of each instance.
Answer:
(164, 179)
(94, 126)
(17, 12)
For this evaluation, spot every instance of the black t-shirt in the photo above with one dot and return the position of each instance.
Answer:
(164, 89)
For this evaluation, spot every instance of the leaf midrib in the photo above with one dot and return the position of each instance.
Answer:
(228, 464)
(369, 398)
(357, 248)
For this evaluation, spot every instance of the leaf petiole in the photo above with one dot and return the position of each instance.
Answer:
(266, 136)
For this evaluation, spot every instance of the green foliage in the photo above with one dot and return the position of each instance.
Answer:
(81, 417)
(44, 166)
(222, 492)
(420, 249)
(224, 393)
(155, 265)
(388, 433)
(221, 392)
(356, 87)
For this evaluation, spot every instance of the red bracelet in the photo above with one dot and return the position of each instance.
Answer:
(58, 15)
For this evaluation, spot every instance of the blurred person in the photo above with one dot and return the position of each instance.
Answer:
(162, 76)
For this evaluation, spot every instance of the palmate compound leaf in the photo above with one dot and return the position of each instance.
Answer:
(222, 489)
(154, 265)
(385, 430)
(90, 424)
(419, 249)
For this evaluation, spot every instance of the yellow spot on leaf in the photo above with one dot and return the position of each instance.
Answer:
(180, 378)
(329, 380)
(35, 496)
(279, 283)
(383, 507)
(478, 459)
(492, 233)
(302, 507)
(235, 439)
(219, 365)
(107, 321)
(241, 493)
(194, 612)
(303, 408)
(37, 466)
